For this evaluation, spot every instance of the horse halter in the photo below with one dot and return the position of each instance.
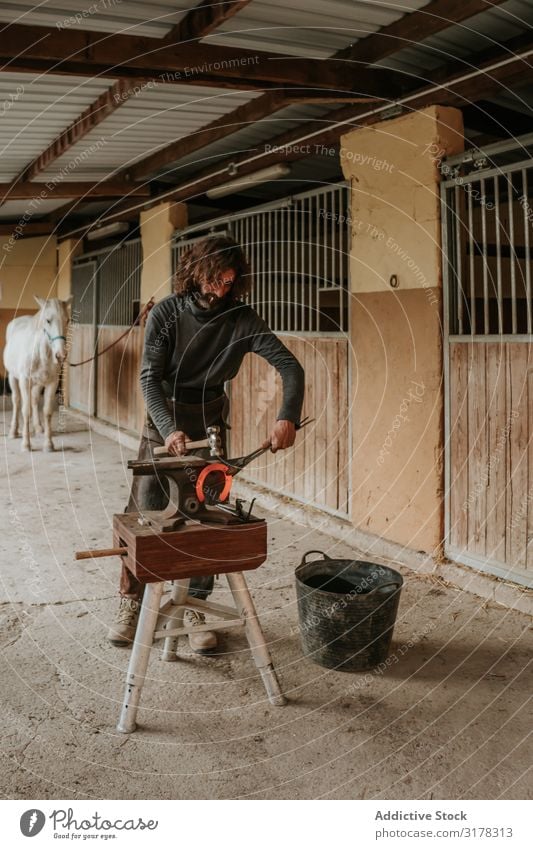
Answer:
(53, 338)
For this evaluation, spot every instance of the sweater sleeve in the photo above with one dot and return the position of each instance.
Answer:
(268, 346)
(159, 339)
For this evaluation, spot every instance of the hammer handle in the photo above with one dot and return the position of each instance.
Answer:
(200, 443)
(101, 552)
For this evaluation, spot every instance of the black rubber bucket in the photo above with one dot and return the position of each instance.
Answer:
(347, 611)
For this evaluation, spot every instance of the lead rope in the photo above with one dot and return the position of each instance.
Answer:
(146, 309)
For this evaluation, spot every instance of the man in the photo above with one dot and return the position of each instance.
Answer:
(195, 341)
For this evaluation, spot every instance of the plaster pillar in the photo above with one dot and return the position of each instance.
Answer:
(67, 251)
(396, 324)
(157, 228)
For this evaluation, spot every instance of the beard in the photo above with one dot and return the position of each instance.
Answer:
(209, 301)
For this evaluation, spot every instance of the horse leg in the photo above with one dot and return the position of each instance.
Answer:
(25, 393)
(35, 398)
(49, 396)
(14, 429)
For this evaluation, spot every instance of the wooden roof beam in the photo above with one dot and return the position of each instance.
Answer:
(504, 67)
(32, 228)
(55, 187)
(203, 19)
(101, 108)
(154, 61)
(414, 28)
(249, 113)
(200, 21)
(433, 18)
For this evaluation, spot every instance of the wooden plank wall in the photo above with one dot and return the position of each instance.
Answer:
(78, 390)
(491, 455)
(316, 469)
(118, 395)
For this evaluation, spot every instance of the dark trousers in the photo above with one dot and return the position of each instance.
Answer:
(148, 493)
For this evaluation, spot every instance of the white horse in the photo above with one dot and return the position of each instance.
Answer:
(36, 346)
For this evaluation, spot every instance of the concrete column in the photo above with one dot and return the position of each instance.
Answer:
(157, 227)
(396, 323)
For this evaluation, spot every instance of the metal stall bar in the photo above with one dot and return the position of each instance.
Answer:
(287, 287)
(342, 236)
(486, 328)
(512, 254)
(270, 250)
(260, 228)
(301, 230)
(471, 265)
(526, 248)
(290, 318)
(316, 274)
(506, 315)
(497, 222)
(459, 267)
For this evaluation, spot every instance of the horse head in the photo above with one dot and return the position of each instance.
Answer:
(53, 319)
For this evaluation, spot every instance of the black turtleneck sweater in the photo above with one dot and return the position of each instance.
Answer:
(186, 347)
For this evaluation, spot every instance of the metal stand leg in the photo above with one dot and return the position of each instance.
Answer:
(140, 655)
(180, 590)
(255, 637)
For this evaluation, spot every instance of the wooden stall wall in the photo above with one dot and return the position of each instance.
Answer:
(79, 392)
(118, 394)
(316, 469)
(491, 455)
(109, 386)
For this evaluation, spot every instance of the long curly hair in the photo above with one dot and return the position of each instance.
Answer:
(206, 260)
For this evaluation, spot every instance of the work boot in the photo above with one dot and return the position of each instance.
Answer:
(203, 642)
(123, 631)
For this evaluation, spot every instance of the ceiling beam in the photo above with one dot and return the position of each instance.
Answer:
(199, 21)
(57, 188)
(32, 228)
(437, 16)
(433, 18)
(461, 88)
(249, 113)
(414, 28)
(154, 61)
(203, 19)
(101, 108)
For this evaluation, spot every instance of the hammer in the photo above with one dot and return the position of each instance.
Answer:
(213, 442)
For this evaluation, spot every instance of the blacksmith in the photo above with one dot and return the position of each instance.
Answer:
(195, 341)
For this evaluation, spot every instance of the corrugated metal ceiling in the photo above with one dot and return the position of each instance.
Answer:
(322, 26)
(144, 123)
(35, 110)
(308, 27)
(126, 16)
(482, 32)
(250, 138)
(155, 117)
(14, 209)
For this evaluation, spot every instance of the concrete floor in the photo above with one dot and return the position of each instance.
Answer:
(449, 719)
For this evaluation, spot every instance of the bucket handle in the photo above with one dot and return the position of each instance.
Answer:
(313, 551)
(382, 586)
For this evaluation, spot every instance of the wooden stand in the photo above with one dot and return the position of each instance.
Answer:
(178, 556)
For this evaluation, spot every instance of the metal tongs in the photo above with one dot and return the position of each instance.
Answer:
(241, 462)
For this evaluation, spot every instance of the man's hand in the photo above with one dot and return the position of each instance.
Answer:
(282, 436)
(175, 443)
